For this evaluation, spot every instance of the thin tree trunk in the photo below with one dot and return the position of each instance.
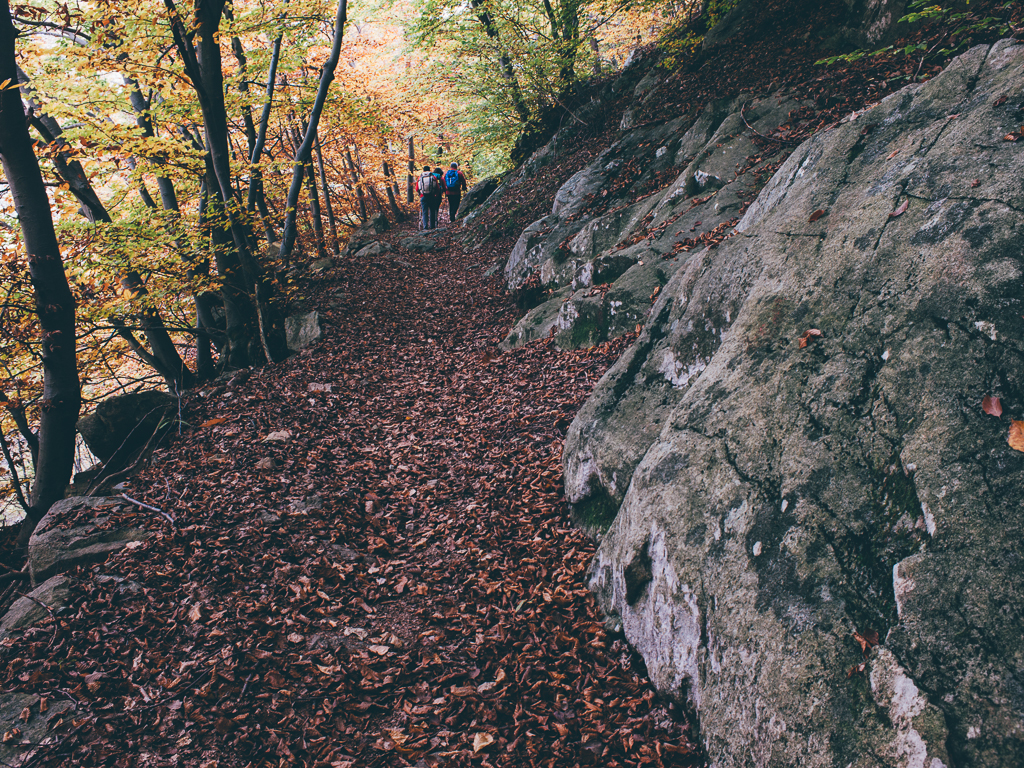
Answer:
(305, 151)
(203, 67)
(391, 187)
(504, 62)
(412, 170)
(355, 182)
(55, 305)
(335, 246)
(165, 359)
(314, 210)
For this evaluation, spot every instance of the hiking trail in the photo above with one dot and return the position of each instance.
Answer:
(371, 563)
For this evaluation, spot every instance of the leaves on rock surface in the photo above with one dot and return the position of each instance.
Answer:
(808, 335)
(901, 209)
(816, 215)
(991, 406)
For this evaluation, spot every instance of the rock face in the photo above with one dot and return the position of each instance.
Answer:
(625, 224)
(476, 195)
(76, 532)
(36, 606)
(124, 423)
(768, 499)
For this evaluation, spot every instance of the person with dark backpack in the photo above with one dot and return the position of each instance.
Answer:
(429, 189)
(440, 193)
(454, 185)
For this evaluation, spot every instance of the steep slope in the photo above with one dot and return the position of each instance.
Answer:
(804, 467)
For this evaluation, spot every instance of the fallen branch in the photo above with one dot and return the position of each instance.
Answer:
(151, 508)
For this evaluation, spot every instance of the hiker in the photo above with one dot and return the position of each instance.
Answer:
(429, 190)
(439, 175)
(454, 185)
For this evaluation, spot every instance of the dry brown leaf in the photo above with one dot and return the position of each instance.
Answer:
(817, 215)
(482, 741)
(1016, 438)
(213, 422)
(195, 613)
(901, 210)
(991, 406)
(1001, 100)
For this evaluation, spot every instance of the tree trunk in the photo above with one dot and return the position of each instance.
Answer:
(55, 305)
(504, 62)
(327, 199)
(391, 186)
(305, 151)
(203, 67)
(314, 211)
(412, 171)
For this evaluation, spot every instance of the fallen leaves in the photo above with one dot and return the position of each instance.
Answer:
(214, 422)
(816, 215)
(431, 598)
(808, 335)
(901, 209)
(991, 406)
(482, 740)
(1016, 436)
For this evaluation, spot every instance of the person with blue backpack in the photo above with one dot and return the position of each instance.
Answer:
(454, 185)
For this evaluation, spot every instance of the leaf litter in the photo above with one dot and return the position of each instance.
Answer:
(379, 570)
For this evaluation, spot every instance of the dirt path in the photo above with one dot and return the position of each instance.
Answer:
(390, 580)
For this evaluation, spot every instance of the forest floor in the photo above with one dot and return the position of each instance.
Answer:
(370, 562)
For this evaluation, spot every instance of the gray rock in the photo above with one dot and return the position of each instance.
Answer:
(123, 423)
(302, 330)
(476, 195)
(66, 538)
(591, 239)
(422, 243)
(29, 610)
(373, 250)
(28, 737)
(322, 265)
(769, 500)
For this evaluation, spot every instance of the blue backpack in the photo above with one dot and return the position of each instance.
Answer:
(451, 179)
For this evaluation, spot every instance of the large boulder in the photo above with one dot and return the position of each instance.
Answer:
(777, 496)
(77, 531)
(124, 423)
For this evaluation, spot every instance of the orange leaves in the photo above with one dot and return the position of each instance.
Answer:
(1016, 437)
(810, 333)
(213, 422)
(816, 215)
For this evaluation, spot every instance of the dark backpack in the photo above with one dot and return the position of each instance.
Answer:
(429, 185)
(451, 179)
